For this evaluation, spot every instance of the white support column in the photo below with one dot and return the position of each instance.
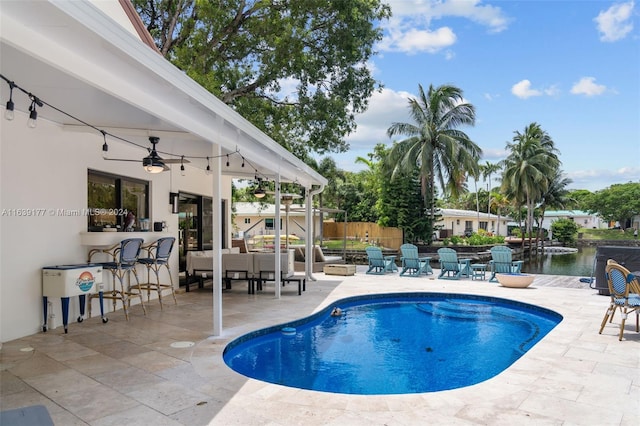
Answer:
(309, 236)
(218, 217)
(276, 240)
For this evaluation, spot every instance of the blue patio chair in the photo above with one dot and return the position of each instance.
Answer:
(502, 262)
(451, 266)
(125, 259)
(623, 286)
(412, 264)
(378, 263)
(159, 253)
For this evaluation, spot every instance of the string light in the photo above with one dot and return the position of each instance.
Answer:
(8, 112)
(33, 114)
(105, 147)
(36, 102)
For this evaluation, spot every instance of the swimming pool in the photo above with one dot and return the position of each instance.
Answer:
(394, 344)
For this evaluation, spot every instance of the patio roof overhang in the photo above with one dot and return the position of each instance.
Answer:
(75, 57)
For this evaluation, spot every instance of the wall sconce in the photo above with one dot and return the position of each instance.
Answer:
(173, 200)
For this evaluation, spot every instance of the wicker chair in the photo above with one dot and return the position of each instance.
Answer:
(125, 258)
(159, 253)
(621, 284)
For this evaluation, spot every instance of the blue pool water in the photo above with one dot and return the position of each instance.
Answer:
(394, 344)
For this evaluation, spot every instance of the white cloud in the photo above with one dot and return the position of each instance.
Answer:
(414, 41)
(597, 179)
(409, 30)
(523, 90)
(587, 86)
(487, 15)
(385, 107)
(615, 22)
(552, 91)
(428, 10)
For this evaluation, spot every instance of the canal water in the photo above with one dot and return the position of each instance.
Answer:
(578, 264)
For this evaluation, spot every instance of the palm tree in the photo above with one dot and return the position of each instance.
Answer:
(556, 195)
(434, 144)
(528, 167)
(499, 202)
(487, 170)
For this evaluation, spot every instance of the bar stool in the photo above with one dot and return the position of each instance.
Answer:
(125, 258)
(159, 253)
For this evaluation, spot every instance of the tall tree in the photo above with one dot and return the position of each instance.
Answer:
(400, 202)
(555, 196)
(295, 69)
(532, 159)
(619, 202)
(500, 202)
(434, 143)
(489, 169)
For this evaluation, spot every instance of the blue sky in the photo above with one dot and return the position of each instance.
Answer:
(571, 66)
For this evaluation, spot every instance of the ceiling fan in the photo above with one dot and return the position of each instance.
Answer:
(153, 163)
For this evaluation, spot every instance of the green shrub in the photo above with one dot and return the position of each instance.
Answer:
(564, 230)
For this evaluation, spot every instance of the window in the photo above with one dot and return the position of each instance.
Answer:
(269, 223)
(247, 220)
(468, 226)
(484, 225)
(111, 197)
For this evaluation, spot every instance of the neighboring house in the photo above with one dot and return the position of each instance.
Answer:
(251, 219)
(95, 61)
(461, 222)
(581, 218)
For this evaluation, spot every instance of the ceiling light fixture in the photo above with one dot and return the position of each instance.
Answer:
(153, 163)
(259, 192)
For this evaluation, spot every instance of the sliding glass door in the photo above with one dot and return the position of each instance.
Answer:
(195, 223)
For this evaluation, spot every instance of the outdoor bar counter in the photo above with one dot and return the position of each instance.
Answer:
(107, 239)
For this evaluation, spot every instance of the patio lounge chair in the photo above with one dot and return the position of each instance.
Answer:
(378, 263)
(621, 282)
(502, 263)
(451, 266)
(412, 264)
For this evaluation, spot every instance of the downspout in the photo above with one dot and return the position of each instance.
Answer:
(308, 258)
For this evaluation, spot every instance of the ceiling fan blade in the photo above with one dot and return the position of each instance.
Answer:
(121, 159)
(175, 161)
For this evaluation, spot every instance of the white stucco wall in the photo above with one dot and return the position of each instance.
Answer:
(46, 169)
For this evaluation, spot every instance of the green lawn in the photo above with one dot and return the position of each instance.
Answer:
(606, 234)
